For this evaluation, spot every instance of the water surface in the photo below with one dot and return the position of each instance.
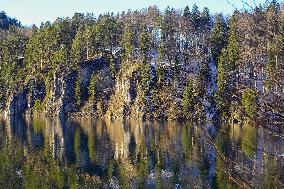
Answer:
(86, 153)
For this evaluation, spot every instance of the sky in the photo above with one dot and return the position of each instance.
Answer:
(36, 11)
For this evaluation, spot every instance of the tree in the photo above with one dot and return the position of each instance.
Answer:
(188, 100)
(195, 17)
(92, 87)
(186, 12)
(249, 102)
(205, 20)
(219, 37)
(227, 68)
(6, 21)
(144, 46)
(222, 93)
(127, 42)
(78, 91)
(78, 50)
(60, 58)
(169, 35)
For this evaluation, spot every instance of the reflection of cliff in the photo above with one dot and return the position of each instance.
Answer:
(51, 129)
(54, 132)
(200, 154)
(120, 134)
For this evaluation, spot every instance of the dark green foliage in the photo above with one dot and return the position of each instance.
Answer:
(223, 85)
(170, 45)
(145, 77)
(142, 166)
(92, 87)
(193, 95)
(275, 68)
(78, 91)
(144, 45)
(249, 102)
(123, 180)
(219, 37)
(161, 74)
(78, 50)
(110, 169)
(112, 67)
(6, 21)
(186, 12)
(188, 100)
(226, 79)
(127, 42)
(12, 46)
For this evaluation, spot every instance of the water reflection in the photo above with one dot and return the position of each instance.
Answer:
(86, 153)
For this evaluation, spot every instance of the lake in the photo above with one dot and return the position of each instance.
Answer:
(88, 153)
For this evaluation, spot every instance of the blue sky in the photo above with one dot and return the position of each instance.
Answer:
(36, 11)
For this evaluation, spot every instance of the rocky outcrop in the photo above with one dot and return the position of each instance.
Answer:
(121, 96)
(125, 95)
(17, 104)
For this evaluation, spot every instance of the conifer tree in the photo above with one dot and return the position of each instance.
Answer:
(219, 36)
(128, 42)
(227, 70)
(92, 87)
(78, 50)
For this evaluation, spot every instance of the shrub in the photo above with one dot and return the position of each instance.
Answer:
(249, 102)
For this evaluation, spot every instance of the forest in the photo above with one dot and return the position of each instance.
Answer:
(149, 64)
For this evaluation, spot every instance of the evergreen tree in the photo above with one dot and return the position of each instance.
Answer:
(227, 68)
(195, 17)
(78, 91)
(78, 50)
(144, 45)
(188, 100)
(92, 87)
(186, 12)
(128, 42)
(249, 101)
(219, 37)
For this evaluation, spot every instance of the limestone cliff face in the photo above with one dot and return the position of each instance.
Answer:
(123, 102)
(22, 100)
(122, 95)
(59, 100)
(17, 104)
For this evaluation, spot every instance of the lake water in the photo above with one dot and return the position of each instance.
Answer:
(86, 153)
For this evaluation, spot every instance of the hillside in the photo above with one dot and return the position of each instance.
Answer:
(147, 64)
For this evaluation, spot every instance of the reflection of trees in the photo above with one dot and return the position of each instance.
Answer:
(240, 163)
(144, 153)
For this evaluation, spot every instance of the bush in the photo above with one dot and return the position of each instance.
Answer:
(92, 86)
(249, 102)
(188, 100)
(78, 92)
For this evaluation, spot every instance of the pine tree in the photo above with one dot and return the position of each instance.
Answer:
(128, 42)
(78, 91)
(92, 87)
(205, 20)
(188, 100)
(195, 17)
(222, 83)
(60, 58)
(249, 101)
(144, 45)
(186, 12)
(227, 68)
(219, 36)
(78, 50)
